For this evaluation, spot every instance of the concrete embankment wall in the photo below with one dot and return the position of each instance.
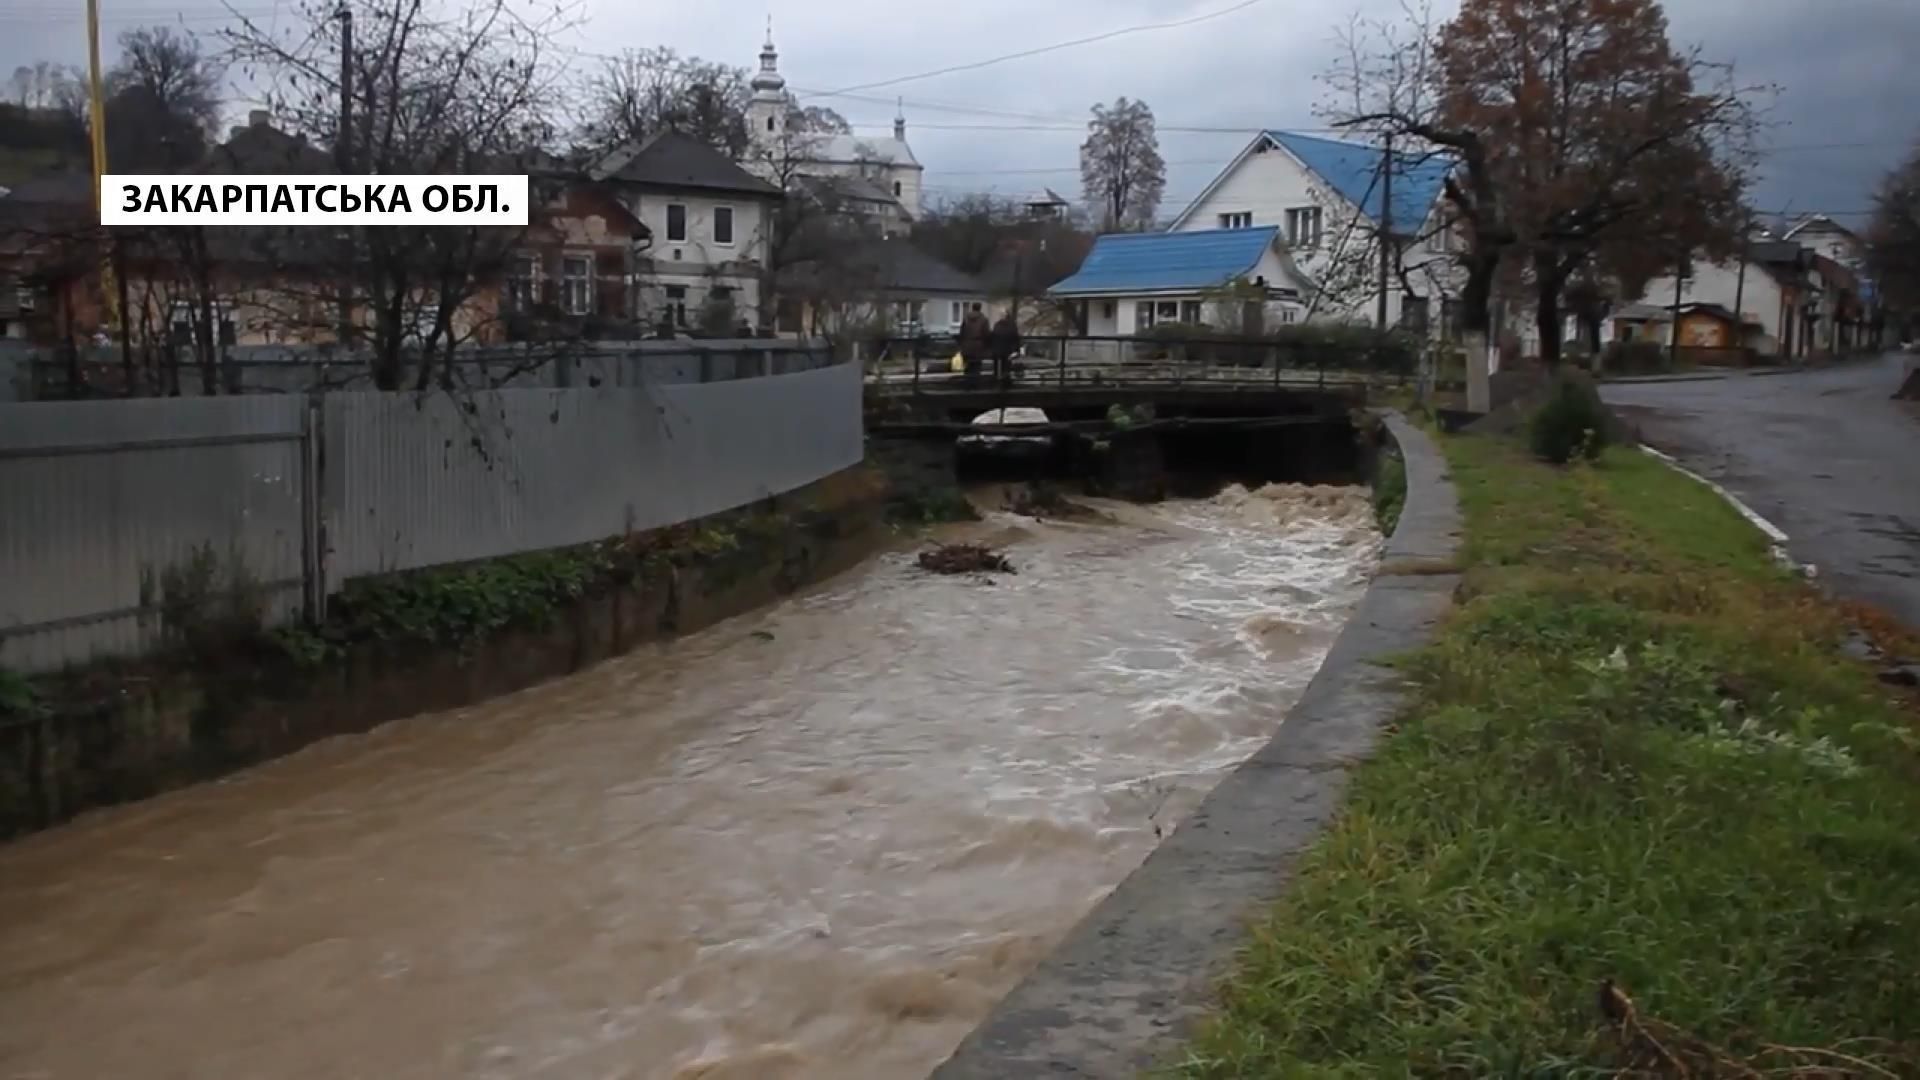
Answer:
(116, 731)
(1125, 986)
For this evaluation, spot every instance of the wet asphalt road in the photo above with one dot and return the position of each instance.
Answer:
(1824, 454)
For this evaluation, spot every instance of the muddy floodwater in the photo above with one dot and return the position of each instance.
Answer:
(819, 841)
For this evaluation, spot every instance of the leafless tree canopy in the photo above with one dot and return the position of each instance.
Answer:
(1120, 166)
(647, 91)
(432, 90)
(1893, 237)
(164, 101)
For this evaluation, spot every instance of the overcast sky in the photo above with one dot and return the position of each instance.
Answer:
(1848, 76)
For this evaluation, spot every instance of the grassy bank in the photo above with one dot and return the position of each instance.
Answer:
(1635, 759)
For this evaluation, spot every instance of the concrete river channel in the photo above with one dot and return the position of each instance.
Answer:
(819, 841)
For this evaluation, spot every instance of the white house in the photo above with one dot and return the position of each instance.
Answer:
(1771, 290)
(888, 163)
(705, 228)
(1327, 199)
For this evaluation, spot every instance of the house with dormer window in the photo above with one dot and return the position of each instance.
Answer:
(658, 236)
(1297, 218)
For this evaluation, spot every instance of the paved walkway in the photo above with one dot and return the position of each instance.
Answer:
(1822, 453)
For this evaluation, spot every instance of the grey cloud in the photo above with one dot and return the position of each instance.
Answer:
(1844, 68)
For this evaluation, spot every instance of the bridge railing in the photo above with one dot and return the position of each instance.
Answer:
(915, 365)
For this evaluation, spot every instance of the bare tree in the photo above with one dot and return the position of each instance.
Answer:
(1120, 166)
(163, 101)
(1893, 250)
(432, 91)
(644, 92)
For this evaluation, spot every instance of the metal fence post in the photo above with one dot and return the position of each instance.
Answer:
(313, 538)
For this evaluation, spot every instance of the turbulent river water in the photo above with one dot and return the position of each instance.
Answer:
(819, 841)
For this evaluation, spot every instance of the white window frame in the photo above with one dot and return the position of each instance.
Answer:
(1142, 315)
(1238, 219)
(530, 263)
(568, 280)
(733, 225)
(1440, 241)
(958, 312)
(1192, 312)
(1304, 226)
(685, 223)
(676, 302)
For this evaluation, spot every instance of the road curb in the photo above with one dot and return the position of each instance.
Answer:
(1777, 538)
(1124, 987)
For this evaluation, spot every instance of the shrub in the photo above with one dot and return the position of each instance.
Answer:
(1635, 358)
(1572, 423)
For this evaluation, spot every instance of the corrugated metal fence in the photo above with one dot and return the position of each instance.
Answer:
(109, 508)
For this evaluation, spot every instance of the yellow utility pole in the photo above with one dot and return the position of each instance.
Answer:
(98, 110)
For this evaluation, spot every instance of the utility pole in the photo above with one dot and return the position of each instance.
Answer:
(1740, 288)
(1673, 325)
(97, 116)
(1386, 230)
(343, 158)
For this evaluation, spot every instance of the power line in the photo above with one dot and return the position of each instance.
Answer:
(1044, 49)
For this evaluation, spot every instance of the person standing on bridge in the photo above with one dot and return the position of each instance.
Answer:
(1005, 342)
(973, 341)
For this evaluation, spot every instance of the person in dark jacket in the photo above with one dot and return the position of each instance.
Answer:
(974, 333)
(1005, 342)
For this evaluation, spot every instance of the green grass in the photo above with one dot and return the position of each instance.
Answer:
(1633, 755)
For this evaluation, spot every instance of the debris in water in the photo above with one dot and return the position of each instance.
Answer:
(762, 635)
(965, 559)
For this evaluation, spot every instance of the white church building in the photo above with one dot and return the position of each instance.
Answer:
(883, 167)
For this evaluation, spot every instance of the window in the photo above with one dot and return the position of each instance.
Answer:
(186, 315)
(523, 279)
(897, 189)
(1190, 313)
(1167, 311)
(576, 284)
(1288, 315)
(906, 313)
(769, 123)
(1413, 313)
(723, 225)
(1107, 309)
(676, 223)
(1242, 219)
(958, 315)
(1143, 316)
(1441, 240)
(677, 304)
(1303, 227)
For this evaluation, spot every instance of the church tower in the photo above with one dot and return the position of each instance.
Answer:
(767, 112)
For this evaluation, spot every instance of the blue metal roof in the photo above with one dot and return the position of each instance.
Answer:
(1353, 170)
(1150, 262)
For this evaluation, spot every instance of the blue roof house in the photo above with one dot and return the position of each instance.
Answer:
(1130, 282)
(1326, 199)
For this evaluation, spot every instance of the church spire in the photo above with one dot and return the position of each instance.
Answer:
(900, 119)
(769, 81)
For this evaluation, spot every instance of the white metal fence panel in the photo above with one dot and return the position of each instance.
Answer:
(99, 500)
(420, 481)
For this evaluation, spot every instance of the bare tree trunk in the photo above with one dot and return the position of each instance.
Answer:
(1546, 317)
(1476, 301)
